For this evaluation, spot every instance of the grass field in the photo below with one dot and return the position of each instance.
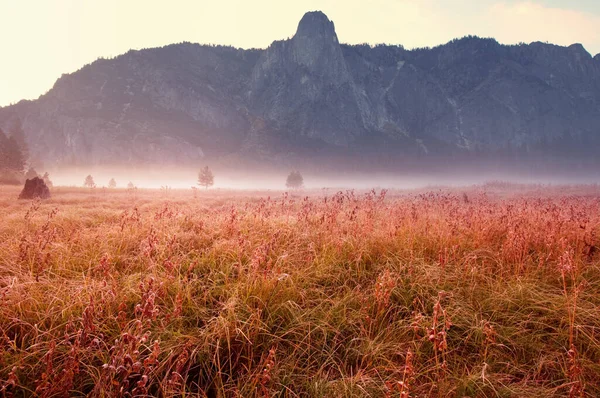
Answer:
(485, 291)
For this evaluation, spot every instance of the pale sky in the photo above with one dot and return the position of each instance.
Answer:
(42, 39)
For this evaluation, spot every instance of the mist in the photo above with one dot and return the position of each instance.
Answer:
(186, 178)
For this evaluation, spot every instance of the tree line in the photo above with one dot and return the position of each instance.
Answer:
(14, 157)
(206, 179)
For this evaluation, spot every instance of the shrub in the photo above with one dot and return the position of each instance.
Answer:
(294, 180)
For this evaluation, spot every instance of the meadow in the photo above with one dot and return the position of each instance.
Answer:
(486, 291)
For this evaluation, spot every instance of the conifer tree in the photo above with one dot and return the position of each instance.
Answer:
(18, 134)
(206, 178)
(15, 161)
(3, 151)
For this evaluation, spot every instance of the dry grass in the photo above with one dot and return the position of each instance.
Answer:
(494, 291)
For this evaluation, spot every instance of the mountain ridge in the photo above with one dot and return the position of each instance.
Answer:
(310, 96)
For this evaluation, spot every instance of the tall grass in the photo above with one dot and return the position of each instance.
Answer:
(490, 291)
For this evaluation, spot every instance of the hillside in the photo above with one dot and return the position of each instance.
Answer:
(311, 97)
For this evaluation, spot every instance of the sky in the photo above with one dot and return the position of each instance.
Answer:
(42, 39)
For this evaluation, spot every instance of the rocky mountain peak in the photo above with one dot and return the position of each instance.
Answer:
(315, 46)
(309, 70)
(316, 25)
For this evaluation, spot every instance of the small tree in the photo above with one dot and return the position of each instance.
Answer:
(89, 182)
(112, 183)
(294, 180)
(206, 178)
(130, 185)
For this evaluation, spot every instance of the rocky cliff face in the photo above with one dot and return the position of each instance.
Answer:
(304, 85)
(310, 96)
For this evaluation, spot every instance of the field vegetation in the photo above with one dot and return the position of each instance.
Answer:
(487, 291)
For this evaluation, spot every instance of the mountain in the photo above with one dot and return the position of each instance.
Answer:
(312, 99)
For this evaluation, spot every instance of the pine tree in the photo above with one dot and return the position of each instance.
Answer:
(18, 134)
(206, 178)
(3, 151)
(14, 157)
(12, 163)
(112, 183)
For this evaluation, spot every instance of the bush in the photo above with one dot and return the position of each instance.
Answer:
(294, 180)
